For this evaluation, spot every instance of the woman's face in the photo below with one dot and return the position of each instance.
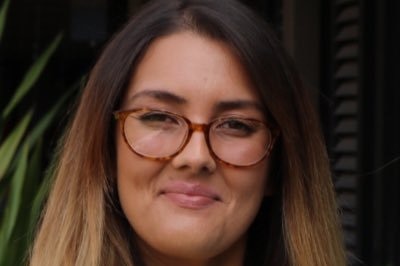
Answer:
(191, 208)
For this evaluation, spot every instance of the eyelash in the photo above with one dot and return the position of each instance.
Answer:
(156, 114)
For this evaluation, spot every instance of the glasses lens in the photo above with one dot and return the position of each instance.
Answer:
(240, 141)
(155, 134)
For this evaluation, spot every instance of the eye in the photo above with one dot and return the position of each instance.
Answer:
(237, 127)
(157, 120)
(158, 117)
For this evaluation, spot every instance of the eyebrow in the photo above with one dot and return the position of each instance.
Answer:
(224, 106)
(160, 95)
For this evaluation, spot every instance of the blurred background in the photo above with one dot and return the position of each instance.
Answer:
(348, 52)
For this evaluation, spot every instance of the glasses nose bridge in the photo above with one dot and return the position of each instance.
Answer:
(198, 127)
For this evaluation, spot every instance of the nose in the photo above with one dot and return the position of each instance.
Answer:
(195, 156)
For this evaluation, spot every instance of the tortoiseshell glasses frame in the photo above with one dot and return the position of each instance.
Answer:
(191, 127)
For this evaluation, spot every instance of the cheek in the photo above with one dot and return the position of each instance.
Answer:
(250, 183)
(248, 187)
(135, 180)
(133, 169)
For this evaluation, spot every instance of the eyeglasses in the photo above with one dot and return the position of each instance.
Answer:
(161, 135)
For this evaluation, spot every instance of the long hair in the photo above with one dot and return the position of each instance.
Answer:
(83, 223)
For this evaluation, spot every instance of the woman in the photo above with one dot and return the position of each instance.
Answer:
(215, 156)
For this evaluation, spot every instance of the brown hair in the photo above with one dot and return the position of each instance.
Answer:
(83, 223)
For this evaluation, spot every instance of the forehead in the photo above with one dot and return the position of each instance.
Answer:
(194, 67)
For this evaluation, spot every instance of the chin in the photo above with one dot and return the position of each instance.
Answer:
(194, 246)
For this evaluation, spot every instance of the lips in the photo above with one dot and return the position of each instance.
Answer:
(190, 195)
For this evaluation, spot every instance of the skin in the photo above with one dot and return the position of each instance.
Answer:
(190, 75)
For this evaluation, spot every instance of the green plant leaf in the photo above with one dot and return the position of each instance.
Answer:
(22, 235)
(13, 202)
(9, 147)
(3, 16)
(32, 183)
(42, 191)
(41, 194)
(35, 190)
(18, 246)
(45, 122)
(32, 76)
